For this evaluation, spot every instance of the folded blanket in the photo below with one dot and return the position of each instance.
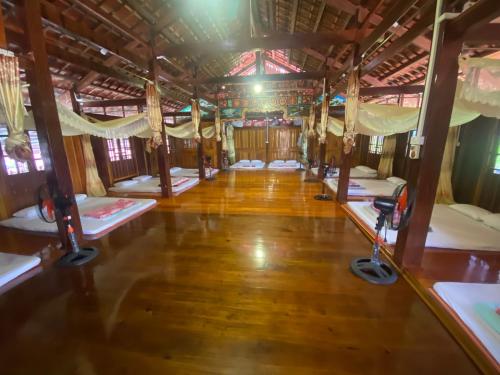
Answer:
(179, 181)
(109, 209)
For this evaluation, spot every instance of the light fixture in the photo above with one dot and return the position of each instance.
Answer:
(257, 88)
(103, 51)
(223, 87)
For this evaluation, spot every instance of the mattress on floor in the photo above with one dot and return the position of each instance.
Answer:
(249, 164)
(365, 187)
(475, 305)
(153, 185)
(13, 265)
(449, 229)
(190, 172)
(90, 226)
(284, 165)
(354, 173)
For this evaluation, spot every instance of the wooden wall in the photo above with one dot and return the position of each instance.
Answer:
(473, 179)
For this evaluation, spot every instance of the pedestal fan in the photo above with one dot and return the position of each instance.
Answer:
(208, 164)
(394, 214)
(324, 196)
(49, 204)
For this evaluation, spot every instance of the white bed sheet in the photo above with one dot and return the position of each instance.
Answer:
(90, 226)
(449, 229)
(354, 173)
(249, 165)
(462, 299)
(280, 165)
(370, 187)
(188, 172)
(13, 265)
(152, 186)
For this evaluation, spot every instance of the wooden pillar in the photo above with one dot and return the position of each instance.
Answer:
(46, 117)
(345, 171)
(162, 150)
(219, 155)
(322, 146)
(3, 39)
(424, 180)
(74, 102)
(201, 164)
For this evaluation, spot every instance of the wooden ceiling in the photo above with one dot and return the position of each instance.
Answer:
(103, 47)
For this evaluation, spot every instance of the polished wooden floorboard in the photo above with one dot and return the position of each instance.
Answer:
(243, 275)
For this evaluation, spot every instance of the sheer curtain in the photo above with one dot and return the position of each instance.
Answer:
(351, 110)
(387, 157)
(155, 117)
(324, 118)
(17, 144)
(312, 120)
(95, 187)
(444, 192)
(195, 118)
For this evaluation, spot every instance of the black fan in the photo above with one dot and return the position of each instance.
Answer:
(51, 203)
(207, 163)
(395, 212)
(324, 196)
(309, 177)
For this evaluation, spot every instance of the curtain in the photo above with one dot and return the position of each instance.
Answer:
(224, 137)
(17, 144)
(444, 192)
(324, 118)
(231, 152)
(217, 125)
(312, 120)
(387, 157)
(94, 185)
(195, 118)
(351, 110)
(155, 117)
(480, 89)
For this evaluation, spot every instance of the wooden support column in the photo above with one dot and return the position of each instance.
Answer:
(322, 146)
(46, 117)
(200, 152)
(424, 173)
(345, 171)
(162, 150)
(219, 154)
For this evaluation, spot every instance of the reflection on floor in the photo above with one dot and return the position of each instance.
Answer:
(247, 274)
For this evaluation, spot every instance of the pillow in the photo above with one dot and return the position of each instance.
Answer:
(175, 169)
(291, 162)
(474, 212)
(142, 178)
(364, 168)
(276, 161)
(492, 220)
(258, 161)
(80, 197)
(244, 161)
(27, 213)
(396, 180)
(125, 183)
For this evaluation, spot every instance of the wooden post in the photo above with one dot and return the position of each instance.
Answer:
(201, 164)
(74, 101)
(322, 146)
(163, 160)
(411, 241)
(46, 117)
(344, 172)
(3, 39)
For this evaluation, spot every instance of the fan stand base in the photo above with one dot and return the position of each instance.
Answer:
(74, 259)
(323, 197)
(374, 272)
(300, 169)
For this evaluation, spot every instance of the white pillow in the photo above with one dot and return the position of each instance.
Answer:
(27, 213)
(259, 161)
(125, 183)
(244, 161)
(175, 169)
(276, 161)
(474, 212)
(366, 169)
(291, 162)
(80, 197)
(142, 178)
(492, 220)
(396, 180)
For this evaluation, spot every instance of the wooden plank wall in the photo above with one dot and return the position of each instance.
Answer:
(250, 144)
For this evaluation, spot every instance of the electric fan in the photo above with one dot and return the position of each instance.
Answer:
(207, 163)
(323, 196)
(394, 214)
(309, 177)
(51, 203)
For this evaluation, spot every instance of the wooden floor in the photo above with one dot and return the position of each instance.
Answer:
(243, 275)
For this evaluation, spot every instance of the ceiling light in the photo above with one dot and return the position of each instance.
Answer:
(257, 88)
(103, 51)
(223, 87)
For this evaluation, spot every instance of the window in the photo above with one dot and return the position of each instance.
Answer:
(375, 145)
(37, 152)
(119, 149)
(11, 166)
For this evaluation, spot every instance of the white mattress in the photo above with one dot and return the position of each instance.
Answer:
(370, 187)
(280, 165)
(463, 299)
(249, 165)
(90, 226)
(188, 172)
(449, 229)
(153, 186)
(12, 266)
(354, 173)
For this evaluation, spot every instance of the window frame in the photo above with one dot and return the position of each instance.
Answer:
(375, 147)
(29, 166)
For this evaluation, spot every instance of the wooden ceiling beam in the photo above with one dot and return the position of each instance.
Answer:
(113, 102)
(475, 17)
(390, 90)
(242, 80)
(485, 34)
(273, 41)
